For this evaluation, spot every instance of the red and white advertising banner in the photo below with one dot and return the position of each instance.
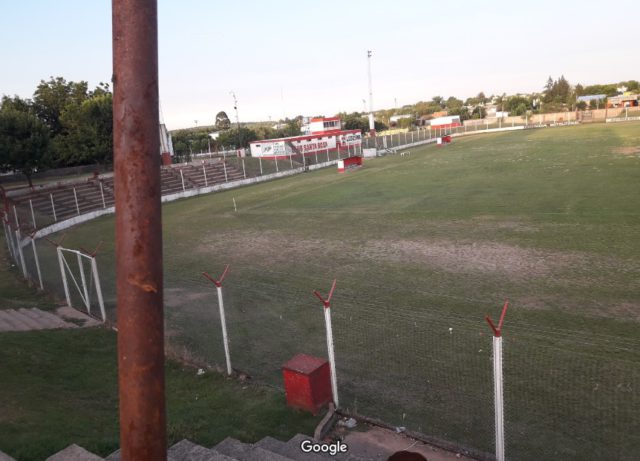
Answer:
(351, 139)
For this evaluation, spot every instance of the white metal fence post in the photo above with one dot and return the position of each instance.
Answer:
(53, 208)
(75, 196)
(291, 160)
(498, 396)
(330, 350)
(21, 254)
(224, 166)
(276, 158)
(64, 275)
(223, 321)
(328, 159)
(204, 172)
(35, 257)
(260, 163)
(225, 338)
(244, 171)
(332, 358)
(104, 204)
(182, 179)
(83, 279)
(96, 277)
(33, 215)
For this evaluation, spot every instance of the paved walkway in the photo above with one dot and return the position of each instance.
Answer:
(35, 319)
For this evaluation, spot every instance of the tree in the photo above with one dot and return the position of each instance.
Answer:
(354, 121)
(87, 132)
(53, 97)
(237, 137)
(517, 105)
(632, 85)
(222, 121)
(478, 112)
(439, 100)
(453, 104)
(549, 85)
(24, 142)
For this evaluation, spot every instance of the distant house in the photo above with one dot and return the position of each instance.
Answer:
(442, 113)
(424, 120)
(623, 100)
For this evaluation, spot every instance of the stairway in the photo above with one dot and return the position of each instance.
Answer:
(230, 449)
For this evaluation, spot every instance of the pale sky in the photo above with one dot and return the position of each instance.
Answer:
(288, 58)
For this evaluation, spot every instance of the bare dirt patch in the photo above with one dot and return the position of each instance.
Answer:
(181, 297)
(627, 150)
(455, 256)
(463, 257)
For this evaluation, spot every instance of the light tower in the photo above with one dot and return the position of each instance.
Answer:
(372, 126)
(235, 106)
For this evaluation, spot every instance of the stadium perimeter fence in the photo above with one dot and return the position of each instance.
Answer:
(404, 356)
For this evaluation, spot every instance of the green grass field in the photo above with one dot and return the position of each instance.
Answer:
(423, 246)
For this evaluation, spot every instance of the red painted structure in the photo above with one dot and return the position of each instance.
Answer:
(349, 162)
(443, 140)
(307, 382)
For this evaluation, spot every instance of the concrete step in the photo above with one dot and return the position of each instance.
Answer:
(31, 319)
(74, 453)
(5, 457)
(290, 450)
(43, 319)
(246, 452)
(186, 450)
(294, 443)
(9, 323)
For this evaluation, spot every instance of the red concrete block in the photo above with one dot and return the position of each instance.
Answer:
(307, 382)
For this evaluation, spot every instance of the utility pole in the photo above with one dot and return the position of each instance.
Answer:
(235, 107)
(372, 126)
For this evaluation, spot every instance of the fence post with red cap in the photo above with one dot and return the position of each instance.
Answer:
(498, 381)
(225, 339)
(332, 359)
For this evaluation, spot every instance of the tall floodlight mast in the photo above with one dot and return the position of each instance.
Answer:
(372, 126)
(235, 107)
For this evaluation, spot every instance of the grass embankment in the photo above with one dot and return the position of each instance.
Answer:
(60, 387)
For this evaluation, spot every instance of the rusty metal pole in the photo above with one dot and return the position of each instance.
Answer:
(138, 230)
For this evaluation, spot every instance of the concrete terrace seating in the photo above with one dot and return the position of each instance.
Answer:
(89, 198)
(90, 192)
(194, 175)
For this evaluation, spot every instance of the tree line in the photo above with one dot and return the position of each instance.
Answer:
(556, 96)
(64, 124)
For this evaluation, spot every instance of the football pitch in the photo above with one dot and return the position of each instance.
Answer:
(422, 247)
